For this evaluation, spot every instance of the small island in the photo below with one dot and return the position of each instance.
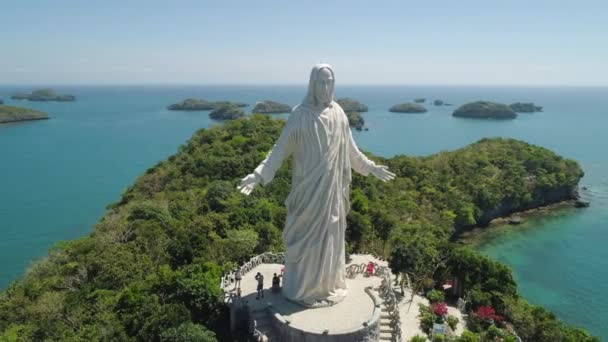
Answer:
(271, 107)
(198, 104)
(525, 107)
(419, 100)
(227, 112)
(219, 104)
(355, 120)
(351, 105)
(407, 108)
(14, 114)
(485, 110)
(438, 103)
(42, 95)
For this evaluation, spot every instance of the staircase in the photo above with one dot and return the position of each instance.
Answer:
(388, 332)
(385, 328)
(262, 324)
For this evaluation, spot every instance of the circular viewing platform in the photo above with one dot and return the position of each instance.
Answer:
(356, 318)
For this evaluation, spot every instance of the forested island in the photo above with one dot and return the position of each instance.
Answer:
(199, 104)
(408, 107)
(227, 112)
(42, 95)
(351, 105)
(14, 114)
(150, 269)
(271, 107)
(525, 107)
(355, 120)
(485, 110)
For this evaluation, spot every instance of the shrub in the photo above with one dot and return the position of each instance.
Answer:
(439, 338)
(435, 296)
(440, 309)
(452, 321)
(509, 338)
(427, 317)
(487, 313)
(418, 338)
(467, 336)
(494, 332)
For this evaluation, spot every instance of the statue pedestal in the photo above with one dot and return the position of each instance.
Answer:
(356, 318)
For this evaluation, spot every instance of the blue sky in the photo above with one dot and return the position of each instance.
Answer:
(276, 42)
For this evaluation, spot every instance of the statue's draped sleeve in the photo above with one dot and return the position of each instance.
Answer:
(358, 161)
(282, 149)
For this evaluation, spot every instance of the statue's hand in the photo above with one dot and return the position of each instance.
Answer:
(249, 183)
(382, 173)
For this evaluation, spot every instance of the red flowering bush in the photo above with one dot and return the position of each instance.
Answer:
(440, 309)
(487, 313)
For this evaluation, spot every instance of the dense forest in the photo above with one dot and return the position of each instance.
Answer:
(150, 270)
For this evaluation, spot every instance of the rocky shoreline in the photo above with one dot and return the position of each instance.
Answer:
(474, 235)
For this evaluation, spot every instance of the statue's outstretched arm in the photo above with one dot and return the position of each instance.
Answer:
(363, 165)
(265, 172)
(358, 161)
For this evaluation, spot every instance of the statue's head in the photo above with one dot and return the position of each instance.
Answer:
(321, 86)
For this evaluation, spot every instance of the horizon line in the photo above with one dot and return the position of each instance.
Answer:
(159, 84)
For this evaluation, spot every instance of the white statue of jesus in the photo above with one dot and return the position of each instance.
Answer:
(318, 136)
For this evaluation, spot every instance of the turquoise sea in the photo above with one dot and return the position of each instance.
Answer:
(57, 176)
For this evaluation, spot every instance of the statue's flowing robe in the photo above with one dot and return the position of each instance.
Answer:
(323, 152)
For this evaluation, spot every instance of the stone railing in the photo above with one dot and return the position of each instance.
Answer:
(375, 255)
(228, 279)
(392, 304)
(354, 269)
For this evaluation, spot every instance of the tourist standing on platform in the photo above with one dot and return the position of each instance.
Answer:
(370, 269)
(237, 278)
(276, 283)
(260, 278)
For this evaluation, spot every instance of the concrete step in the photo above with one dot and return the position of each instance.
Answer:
(385, 316)
(386, 330)
(385, 337)
(385, 323)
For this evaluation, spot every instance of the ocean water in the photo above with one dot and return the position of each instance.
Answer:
(57, 176)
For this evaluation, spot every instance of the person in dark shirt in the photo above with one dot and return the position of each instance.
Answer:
(260, 278)
(237, 278)
(276, 283)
